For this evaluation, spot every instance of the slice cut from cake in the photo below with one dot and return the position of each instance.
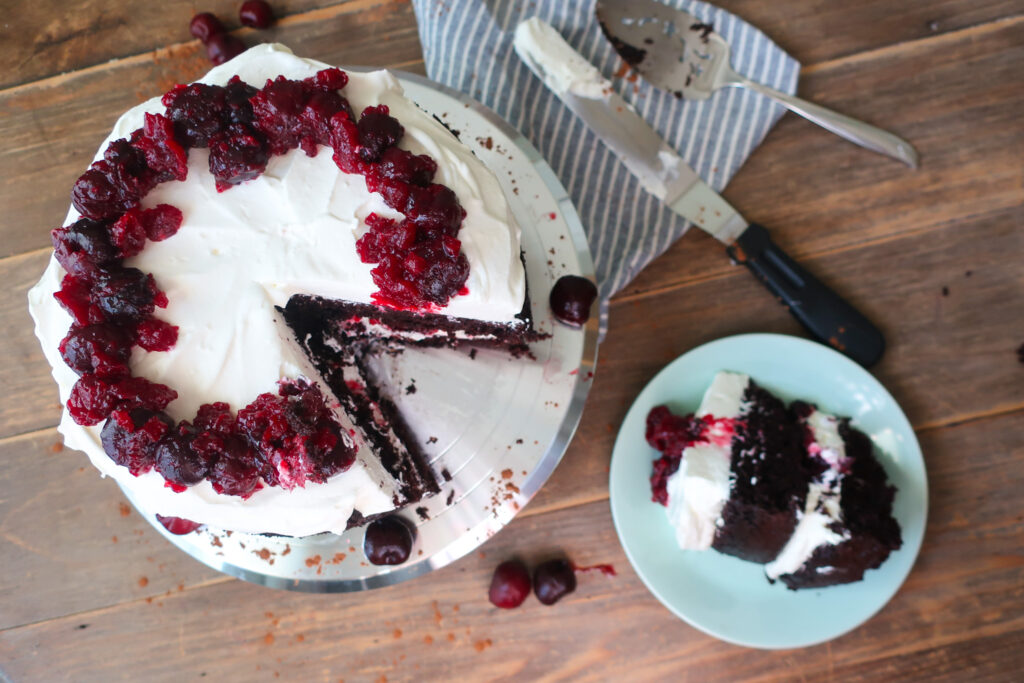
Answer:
(205, 214)
(846, 526)
(741, 476)
(796, 489)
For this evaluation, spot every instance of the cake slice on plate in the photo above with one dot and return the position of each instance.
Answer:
(795, 489)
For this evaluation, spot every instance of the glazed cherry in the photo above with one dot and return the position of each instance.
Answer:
(223, 46)
(377, 132)
(571, 298)
(256, 14)
(178, 525)
(126, 294)
(177, 462)
(235, 476)
(83, 247)
(130, 438)
(102, 350)
(204, 26)
(553, 580)
(236, 155)
(510, 585)
(388, 541)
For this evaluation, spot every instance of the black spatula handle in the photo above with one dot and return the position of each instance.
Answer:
(824, 313)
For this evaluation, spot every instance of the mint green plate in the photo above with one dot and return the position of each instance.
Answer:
(727, 597)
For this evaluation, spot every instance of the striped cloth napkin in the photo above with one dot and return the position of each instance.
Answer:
(467, 45)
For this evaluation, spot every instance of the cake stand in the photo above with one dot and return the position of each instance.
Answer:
(493, 426)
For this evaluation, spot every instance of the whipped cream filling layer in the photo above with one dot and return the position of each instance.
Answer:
(699, 489)
(240, 253)
(822, 509)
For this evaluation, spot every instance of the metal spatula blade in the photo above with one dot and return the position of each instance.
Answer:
(674, 51)
(671, 49)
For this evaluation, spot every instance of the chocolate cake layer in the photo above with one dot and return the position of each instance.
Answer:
(379, 421)
(769, 474)
(866, 512)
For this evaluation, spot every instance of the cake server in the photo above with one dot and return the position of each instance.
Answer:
(663, 173)
(673, 50)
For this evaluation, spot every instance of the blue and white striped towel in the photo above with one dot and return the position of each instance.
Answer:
(467, 45)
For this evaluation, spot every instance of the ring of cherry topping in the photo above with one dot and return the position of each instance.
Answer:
(285, 439)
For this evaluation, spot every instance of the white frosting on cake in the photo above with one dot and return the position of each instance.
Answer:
(698, 490)
(823, 496)
(242, 252)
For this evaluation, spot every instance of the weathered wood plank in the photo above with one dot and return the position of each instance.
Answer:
(69, 541)
(30, 399)
(46, 39)
(51, 129)
(967, 585)
(818, 30)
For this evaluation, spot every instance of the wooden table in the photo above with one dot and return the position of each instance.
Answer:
(89, 592)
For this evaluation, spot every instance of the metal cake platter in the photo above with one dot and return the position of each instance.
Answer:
(493, 426)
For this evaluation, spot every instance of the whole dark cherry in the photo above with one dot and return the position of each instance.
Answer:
(256, 13)
(388, 540)
(552, 580)
(178, 525)
(223, 46)
(204, 26)
(571, 298)
(510, 584)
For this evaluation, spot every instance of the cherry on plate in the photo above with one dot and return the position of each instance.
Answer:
(510, 584)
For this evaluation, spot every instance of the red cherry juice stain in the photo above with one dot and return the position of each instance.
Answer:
(606, 569)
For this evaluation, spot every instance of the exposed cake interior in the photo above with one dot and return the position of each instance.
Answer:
(846, 526)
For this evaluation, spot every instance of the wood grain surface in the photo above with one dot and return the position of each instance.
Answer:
(89, 592)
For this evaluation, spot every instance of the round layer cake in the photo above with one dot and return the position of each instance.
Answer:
(244, 250)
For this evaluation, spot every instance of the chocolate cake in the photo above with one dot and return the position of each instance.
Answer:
(237, 248)
(793, 488)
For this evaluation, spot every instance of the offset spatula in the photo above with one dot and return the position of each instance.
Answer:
(663, 173)
(673, 50)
